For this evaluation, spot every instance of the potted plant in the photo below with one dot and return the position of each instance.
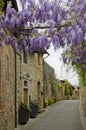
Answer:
(24, 113)
(34, 109)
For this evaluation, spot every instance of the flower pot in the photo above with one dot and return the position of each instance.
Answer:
(23, 116)
(34, 110)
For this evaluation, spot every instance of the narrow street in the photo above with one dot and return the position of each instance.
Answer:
(64, 115)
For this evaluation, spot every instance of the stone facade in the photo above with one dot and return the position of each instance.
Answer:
(51, 89)
(19, 81)
(76, 93)
(83, 98)
(7, 88)
(31, 77)
(61, 90)
(48, 78)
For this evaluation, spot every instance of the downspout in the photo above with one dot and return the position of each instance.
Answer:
(15, 54)
(15, 90)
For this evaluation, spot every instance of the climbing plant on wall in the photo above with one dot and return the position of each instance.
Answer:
(68, 88)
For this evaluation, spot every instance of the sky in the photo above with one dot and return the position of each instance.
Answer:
(55, 61)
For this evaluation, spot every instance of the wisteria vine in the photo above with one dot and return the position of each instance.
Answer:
(41, 23)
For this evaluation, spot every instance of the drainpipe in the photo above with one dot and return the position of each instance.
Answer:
(15, 91)
(15, 54)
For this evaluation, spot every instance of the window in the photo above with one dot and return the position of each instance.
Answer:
(25, 83)
(24, 56)
(39, 90)
(7, 68)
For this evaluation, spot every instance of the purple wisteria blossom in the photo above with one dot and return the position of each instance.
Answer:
(40, 23)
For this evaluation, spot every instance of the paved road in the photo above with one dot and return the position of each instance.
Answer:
(64, 115)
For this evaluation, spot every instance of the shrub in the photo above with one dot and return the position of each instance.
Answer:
(46, 103)
(24, 106)
(50, 101)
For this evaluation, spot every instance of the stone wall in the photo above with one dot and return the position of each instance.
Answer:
(51, 89)
(28, 76)
(48, 78)
(83, 98)
(7, 89)
(76, 93)
(60, 94)
(32, 73)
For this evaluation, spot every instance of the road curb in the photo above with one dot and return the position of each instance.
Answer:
(83, 118)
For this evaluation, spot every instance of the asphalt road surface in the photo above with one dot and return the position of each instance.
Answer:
(64, 115)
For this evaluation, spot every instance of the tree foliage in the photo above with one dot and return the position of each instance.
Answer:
(1, 4)
(78, 63)
(68, 88)
(54, 88)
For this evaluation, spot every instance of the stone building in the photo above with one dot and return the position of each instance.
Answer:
(61, 90)
(83, 99)
(76, 92)
(48, 78)
(7, 88)
(53, 87)
(30, 71)
(21, 79)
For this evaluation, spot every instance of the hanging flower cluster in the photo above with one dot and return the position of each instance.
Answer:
(41, 23)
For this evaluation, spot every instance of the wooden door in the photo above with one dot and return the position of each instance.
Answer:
(26, 96)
